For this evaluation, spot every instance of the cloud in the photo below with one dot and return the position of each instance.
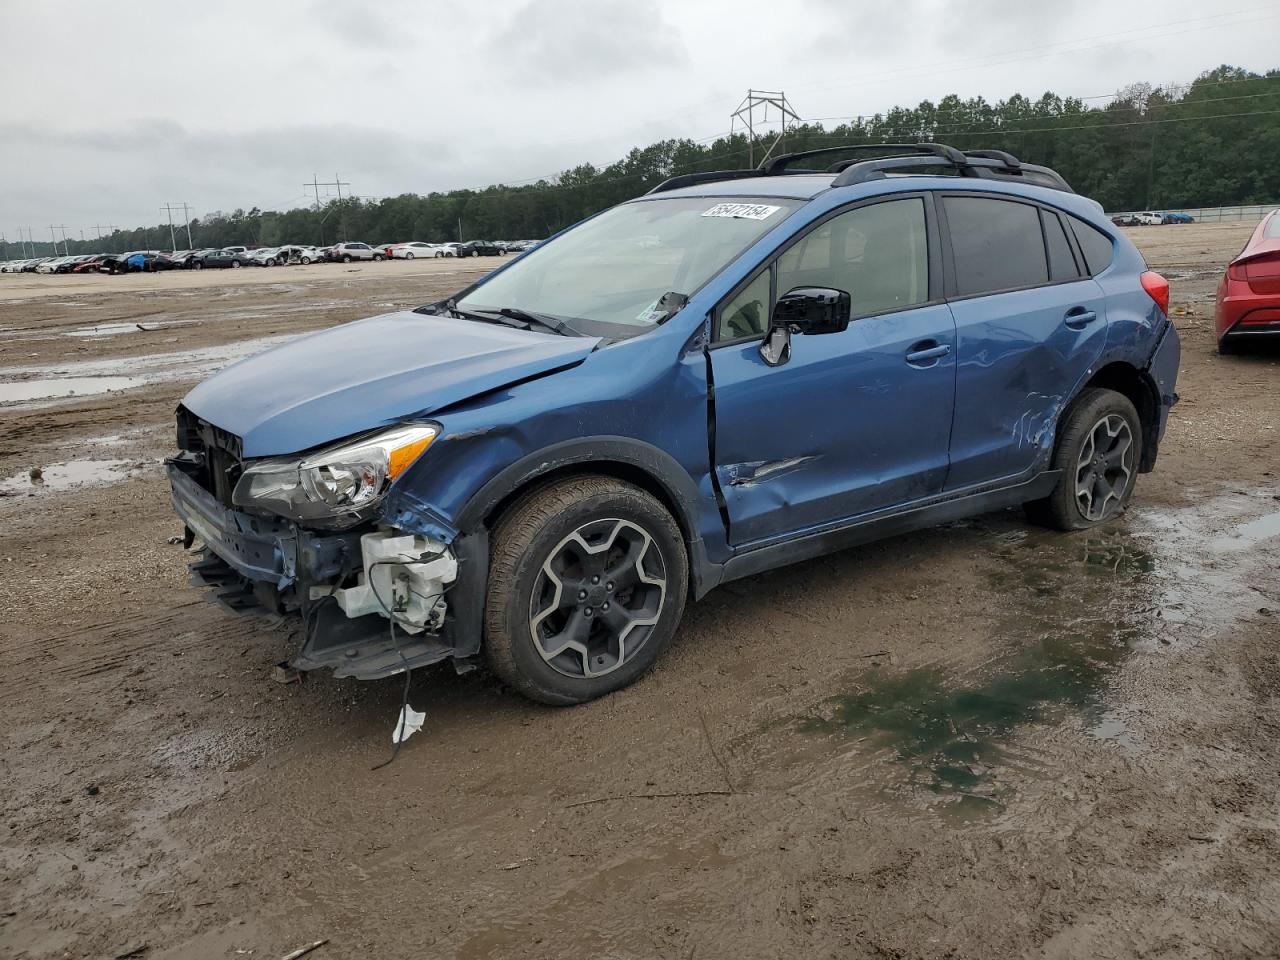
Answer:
(595, 40)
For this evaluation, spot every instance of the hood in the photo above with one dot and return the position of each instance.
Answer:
(359, 376)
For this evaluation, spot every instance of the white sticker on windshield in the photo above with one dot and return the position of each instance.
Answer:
(744, 211)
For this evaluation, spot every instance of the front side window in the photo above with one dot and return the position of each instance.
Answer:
(997, 245)
(747, 314)
(878, 254)
(613, 269)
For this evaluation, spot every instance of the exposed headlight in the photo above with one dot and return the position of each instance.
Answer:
(338, 484)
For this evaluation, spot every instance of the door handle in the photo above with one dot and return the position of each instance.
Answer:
(924, 353)
(1078, 318)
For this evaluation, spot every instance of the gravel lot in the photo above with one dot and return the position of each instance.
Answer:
(985, 740)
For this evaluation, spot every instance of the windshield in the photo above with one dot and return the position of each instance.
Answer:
(615, 268)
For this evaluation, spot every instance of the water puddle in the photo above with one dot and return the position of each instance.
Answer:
(1085, 606)
(72, 473)
(86, 378)
(20, 391)
(102, 331)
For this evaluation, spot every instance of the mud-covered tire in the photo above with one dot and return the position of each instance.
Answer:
(1064, 509)
(532, 533)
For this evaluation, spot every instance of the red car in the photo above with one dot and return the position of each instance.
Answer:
(1249, 292)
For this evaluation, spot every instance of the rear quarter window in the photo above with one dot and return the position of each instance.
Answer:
(1097, 246)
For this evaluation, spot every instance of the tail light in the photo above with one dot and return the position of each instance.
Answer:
(1157, 288)
(1235, 271)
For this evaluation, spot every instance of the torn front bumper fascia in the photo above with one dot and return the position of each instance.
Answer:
(252, 562)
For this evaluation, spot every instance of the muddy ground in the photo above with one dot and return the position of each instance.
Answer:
(985, 740)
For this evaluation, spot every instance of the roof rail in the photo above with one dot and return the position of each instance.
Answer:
(899, 158)
(780, 164)
(706, 176)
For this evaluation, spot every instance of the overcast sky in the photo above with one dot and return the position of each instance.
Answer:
(108, 110)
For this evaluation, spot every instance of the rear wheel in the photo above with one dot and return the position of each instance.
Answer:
(408, 256)
(587, 583)
(1098, 451)
(378, 256)
(235, 263)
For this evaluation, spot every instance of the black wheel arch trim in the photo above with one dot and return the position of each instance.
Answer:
(598, 454)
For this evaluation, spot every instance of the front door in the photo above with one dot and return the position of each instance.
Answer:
(855, 421)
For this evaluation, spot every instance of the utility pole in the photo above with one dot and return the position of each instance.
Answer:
(110, 228)
(186, 218)
(746, 115)
(65, 248)
(338, 183)
(173, 243)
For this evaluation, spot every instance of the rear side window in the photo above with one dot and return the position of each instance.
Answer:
(997, 245)
(1062, 262)
(1095, 244)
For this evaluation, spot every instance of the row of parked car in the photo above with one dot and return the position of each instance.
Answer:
(150, 261)
(1150, 218)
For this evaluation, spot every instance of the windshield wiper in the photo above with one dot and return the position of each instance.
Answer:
(554, 324)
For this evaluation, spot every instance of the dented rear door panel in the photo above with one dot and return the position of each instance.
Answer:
(1020, 360)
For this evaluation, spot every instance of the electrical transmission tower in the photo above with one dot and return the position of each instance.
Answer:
(746, 115)
(169, 208)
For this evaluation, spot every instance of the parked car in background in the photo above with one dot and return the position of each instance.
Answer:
(218, 259)
(70, 263)
(51, 264)
(1248, 296)
(346, 252)
(148, 262)
(92, 264)
(417, 250)
(1179, 218)
(265, 256)
(479, 248)
(1149, 218)
(533, 470)
(1125, 220)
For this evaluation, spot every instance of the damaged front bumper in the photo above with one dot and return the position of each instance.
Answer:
(347, 586)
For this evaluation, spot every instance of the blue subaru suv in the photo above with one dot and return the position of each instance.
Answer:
(736, 371)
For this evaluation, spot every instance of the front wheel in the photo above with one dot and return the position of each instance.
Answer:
(1098, 451)
(587, 583)
(408, 256)
(235, 264)
(378, 256)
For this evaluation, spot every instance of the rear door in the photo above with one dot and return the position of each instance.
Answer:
(1030, 325)
(855, 421)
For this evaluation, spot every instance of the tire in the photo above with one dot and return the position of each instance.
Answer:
(235, 264)
(305, 261)
(540, 532)
(1093, 462)
(408, 256)
(346, 258)
(198, 265)
(378, 257)
(1226, 348)
(271, 261)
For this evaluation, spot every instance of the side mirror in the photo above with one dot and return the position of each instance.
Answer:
(810, 310)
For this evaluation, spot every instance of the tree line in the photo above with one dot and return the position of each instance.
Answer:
(1213, 142)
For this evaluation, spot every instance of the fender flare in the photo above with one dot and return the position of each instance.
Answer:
(680, 491)
(465, 626)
